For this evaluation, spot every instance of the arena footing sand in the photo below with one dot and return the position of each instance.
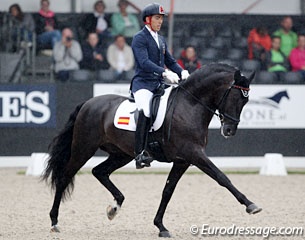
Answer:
(198, 200)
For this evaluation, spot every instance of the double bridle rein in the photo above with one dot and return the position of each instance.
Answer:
(220, 115)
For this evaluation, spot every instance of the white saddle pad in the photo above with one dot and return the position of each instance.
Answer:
(124, 117)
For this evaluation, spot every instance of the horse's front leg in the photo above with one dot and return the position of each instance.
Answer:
(175, 174)
(207, 166)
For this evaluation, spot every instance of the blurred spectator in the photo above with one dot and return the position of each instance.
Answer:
(93, 54)
(276, 61)
(288, 37)
(98, 21)
(120, 58)
(23, 23)
(67, 54)
(297, 57)
(189, 60)
(124, 23)
(259, 42)
(47, 27)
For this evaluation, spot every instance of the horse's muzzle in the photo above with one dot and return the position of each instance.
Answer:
(228, 130)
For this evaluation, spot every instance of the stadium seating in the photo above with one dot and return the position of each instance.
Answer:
(236, 54)
(216, 38)
(210, 54)
(249, 65)
(293, 78)
(81, 75)
(265, 77)
(105, 75)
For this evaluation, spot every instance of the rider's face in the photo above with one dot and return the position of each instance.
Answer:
(156, 22)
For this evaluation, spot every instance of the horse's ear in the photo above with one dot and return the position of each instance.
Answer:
(251, 77)
(237, 75)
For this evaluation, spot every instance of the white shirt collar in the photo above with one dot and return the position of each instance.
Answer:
(153, 34)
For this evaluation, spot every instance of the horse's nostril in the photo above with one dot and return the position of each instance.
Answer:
(228, 131)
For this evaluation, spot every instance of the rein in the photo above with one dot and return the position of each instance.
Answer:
(221, 116)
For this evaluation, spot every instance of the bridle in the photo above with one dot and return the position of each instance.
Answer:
(221, 115)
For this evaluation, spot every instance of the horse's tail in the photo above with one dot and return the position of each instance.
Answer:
(60, 153)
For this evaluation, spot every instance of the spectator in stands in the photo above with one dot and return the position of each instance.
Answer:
(297, 56)
(120, 58)
(124, 23)
(259, 42)
(67, 54)
(98, 21)
(93, 54)
(189, 60)
(47, 27)
(23, 23)
(276, 61)
(288, 37)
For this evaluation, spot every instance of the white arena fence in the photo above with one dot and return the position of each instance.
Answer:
(270, 164)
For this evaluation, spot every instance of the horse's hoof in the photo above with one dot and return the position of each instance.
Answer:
(253, 209)
(55, 228)
(164, 234)
(112, 211)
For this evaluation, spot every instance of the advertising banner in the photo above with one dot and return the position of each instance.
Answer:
(272, 107)
(269, 106)
(27, 106)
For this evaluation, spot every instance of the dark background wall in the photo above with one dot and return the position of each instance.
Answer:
(21, 141)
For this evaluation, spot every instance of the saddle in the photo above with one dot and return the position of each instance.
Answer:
(155, 103)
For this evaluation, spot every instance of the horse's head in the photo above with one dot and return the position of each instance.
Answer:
(218, 86)
(232, 103)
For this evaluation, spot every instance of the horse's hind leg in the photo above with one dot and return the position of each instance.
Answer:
(78, 158)
(174, 176)
(210, 169)
(102, 173)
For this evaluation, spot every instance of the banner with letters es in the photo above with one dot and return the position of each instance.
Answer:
(27, 106)
(269, 106)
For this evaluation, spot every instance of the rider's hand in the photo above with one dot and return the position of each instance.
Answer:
(184, 74)
(170, 76)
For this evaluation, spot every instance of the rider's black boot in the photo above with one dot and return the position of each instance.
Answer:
(142, 159)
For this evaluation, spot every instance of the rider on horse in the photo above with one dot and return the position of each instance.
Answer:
(151, 56)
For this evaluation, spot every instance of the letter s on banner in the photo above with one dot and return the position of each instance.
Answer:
(41, 108)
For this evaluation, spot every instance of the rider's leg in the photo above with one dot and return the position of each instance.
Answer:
(143, 99)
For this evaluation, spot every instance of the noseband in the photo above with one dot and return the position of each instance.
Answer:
(221, 115)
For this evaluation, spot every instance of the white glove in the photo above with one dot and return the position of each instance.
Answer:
(184, 74)
(170, 76)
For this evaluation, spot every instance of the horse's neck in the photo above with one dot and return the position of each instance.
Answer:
(191, 108)
(206, 93)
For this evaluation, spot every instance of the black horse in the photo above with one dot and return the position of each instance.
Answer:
(183, 137)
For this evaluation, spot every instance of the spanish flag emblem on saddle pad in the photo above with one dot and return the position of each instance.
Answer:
(124, 120)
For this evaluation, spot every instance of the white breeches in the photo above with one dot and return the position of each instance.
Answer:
(143, 99)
